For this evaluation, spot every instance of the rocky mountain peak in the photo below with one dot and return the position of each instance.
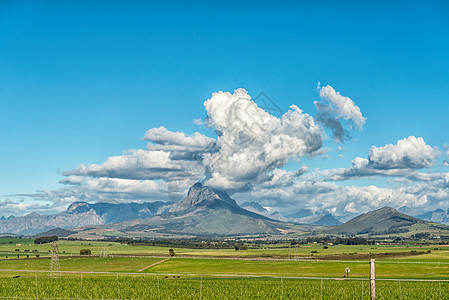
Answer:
(78, 207)
(200, 195)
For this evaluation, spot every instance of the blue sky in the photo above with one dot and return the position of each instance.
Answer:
(81, 82)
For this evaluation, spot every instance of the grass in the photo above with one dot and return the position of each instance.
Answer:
(233, 266)
(204, 264)
(152, 287)
(276, 250)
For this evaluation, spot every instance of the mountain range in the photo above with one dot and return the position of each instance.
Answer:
(207, 212)
(82, 214)
(304, 216)
(203, 212)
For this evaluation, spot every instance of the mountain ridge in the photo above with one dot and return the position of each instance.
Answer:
(382, 220)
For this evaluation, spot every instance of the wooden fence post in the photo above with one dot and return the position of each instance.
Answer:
(372, 275)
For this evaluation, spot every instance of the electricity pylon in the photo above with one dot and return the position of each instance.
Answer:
(54, 263)
(104, 251)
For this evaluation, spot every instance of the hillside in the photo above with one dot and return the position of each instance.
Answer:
(382, 221)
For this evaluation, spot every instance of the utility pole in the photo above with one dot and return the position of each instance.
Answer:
(54, 263)
(372, 278)
(104, 251)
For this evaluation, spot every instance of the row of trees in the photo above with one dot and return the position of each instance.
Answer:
(45, 239)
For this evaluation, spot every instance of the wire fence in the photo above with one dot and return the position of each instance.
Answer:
(28, 284)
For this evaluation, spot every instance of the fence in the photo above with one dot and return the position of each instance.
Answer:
(105, 285)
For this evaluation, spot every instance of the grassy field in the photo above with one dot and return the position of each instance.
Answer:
(222, 273)
(169, 287)
(276, 250)
(206, 266)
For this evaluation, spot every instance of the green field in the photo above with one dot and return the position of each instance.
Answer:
(219, 273)
(68, 248)
(168, 287)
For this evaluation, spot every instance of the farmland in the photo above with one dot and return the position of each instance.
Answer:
(152, 287)
(267, 271)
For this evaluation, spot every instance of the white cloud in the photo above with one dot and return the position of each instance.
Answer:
(399, 160)
(343, 200)
(162, 136)
(335, 107)
(252, 142)
(198, 122)
(408, 153)
(137, 164)
(446, 147)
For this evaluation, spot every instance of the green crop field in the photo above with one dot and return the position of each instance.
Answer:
(270, 271)
(172, 287)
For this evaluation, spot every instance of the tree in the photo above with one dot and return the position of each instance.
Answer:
(85, 252)
(172, 252)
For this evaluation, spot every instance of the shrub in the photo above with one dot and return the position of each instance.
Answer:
(85, 252)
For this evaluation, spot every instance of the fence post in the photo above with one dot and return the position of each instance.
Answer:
(372, 278)
(282, 287)
(321, 297)
(158, 290)
(201, 287)
(118, 288)
(37, 293)
(241, 290)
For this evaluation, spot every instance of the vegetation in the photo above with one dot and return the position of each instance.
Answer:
(45, 239)
(174, 287)
(267, 261)
(85, 252)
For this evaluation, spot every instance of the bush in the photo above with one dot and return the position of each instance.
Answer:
(172, 252)
(240, 246)
(85, 252)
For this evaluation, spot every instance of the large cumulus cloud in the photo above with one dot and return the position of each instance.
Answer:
(252, 142)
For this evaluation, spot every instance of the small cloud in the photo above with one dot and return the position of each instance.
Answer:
(446, 163)
(335, 107)
(304, 169)
(446, 147)
(198, 122)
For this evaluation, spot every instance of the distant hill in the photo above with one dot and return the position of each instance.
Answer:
(327, 220)
(203, 212)
(407, 211)
(59, 232)
(254, 207)
(438, 216)
(303, 213)
(384, 220)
